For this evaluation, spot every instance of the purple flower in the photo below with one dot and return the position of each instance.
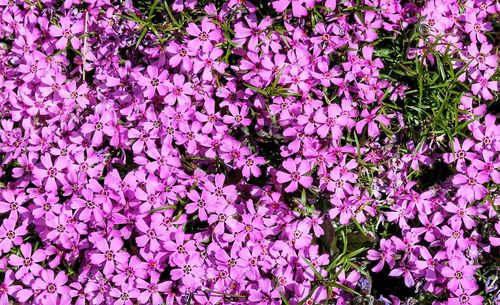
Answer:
(109, 254)
(470, 187)
(297, 170)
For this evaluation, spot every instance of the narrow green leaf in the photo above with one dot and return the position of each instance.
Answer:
(141, 37)
(168, 207)
(316, 273)
(283, 298)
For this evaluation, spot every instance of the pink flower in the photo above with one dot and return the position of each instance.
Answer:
(99, 124)
(6, 288)
(461, 153)
(482, 84)
(109, 254)
(461, 275)
(470, 186)
(178, 91)
(297, 169)
(237, 116)
(465, 297)
(204, 37)
(255, 30)
(208, 62)
(188, 271)
(298, 6)
(371, 118)
(385, 256)
(11, 234)
(28, 262)
(154, 82)
(49, 284)
(151, 290)
(68, 31)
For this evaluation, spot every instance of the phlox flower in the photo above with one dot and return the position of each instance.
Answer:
(50, 284)
(465, 297)
(179, 90)
(68, 31)
(154, 81)
(371, 118)
(110, 254)
(28, 263)
(204, 36)
(11, 234)
(455, 240)
(470, 186)
(189, 269)
(298, 6)
(297, 170)
(151, 290)
(386, 255)
(7, 288)
(461, 275)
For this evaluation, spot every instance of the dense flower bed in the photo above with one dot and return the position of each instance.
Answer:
(249, 152)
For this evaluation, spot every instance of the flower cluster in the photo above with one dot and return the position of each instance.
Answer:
(246, 153)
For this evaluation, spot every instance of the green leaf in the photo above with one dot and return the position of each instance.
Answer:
(345, 288)
(316, 273)
(259, 90)
(141, 37)
(283, 298)
(167, 207)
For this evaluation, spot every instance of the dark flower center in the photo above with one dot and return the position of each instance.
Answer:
(109, 255)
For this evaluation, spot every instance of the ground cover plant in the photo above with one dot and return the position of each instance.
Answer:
(291, 152)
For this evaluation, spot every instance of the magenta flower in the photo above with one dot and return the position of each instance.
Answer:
(154, 82)
(455, 240)
(461, 275)
(124, 294)
(465, 297)
(11, 234)
(99, 125)
(298, 6)
(462, 153)
(204, 37)
(482, 58)
(483, 84)
(255, 32)
(407, 271)
(225, 194)
(203, 204)
(470, 186)
(68, 31)
(13, 203)
(50, 284)
(28, 263)
(297, 169)
(386, 255)
(475, 28)
(462, 214)
(223, 216)
(237, 116)
(151, 290)
(181, 55)
(488, 165)
(151, 234)
(7, 288)
(371, 118)
(109, 254)
(250, 166)
(188, 270)
(179, 91)
(342, 208)
(208, 62)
